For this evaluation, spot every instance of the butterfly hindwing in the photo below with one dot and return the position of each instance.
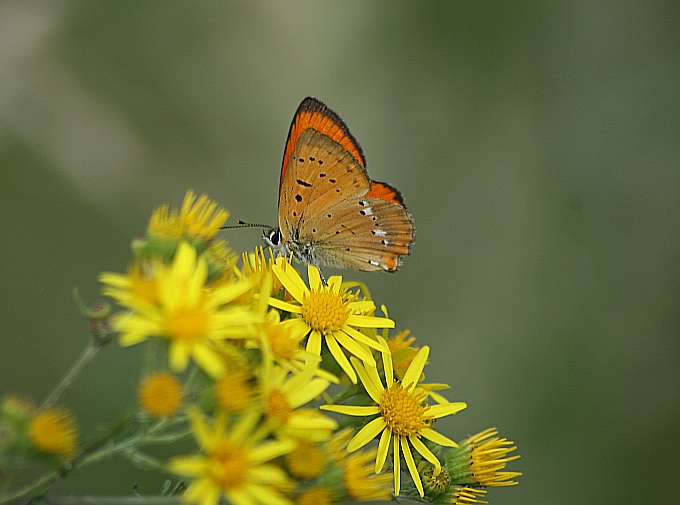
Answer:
(365, 234)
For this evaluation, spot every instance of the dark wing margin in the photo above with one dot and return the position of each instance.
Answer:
(385, 192)
(315, 114)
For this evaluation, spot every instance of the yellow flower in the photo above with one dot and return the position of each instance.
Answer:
(54, 431)
(233, 392)
(316, 496)
(464, 495)
(160, 394)
(327, 312)
(284, 394)
(222, 260)
(306, 461)
(284, 346)
(186, 312)
(255, 268)
(235, 464)
(138, 286)
(479, 460)
(402, 352)
(197, 218)
(360, 481)
(403, 417)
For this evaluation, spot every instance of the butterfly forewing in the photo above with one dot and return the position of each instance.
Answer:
(320, 173)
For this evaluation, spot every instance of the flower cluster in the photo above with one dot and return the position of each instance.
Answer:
(264, 368)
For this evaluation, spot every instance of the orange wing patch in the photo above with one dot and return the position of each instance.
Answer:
(314, 114)
(385, 192)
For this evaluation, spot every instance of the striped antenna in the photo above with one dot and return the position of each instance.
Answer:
(243, 224)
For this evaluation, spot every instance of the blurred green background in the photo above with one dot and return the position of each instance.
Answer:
(537, 145)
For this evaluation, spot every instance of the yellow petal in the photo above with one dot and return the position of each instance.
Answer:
(366, 434)
(445, 409)
(415, 369)
(209, 361)
(340, 358)
(314, 277)
(360, 337)
(370, 380)
(267, 451)
(411, 465)
(290, 280)
(383, 449)
(419, 446)
(314, 343)
(352, 410)
(437, 438)
(189, 466)
(285, 306)
(361, 352)
(396, 465)
(370, 322)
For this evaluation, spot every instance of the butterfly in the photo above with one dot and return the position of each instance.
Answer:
(330, 211)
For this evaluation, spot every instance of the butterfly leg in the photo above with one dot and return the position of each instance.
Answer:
(312, 261)
(323, 279)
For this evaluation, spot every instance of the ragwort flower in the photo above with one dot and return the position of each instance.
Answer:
(54, 431)
(236, 464)
(179, 306)
(403, 417)
(327, 312)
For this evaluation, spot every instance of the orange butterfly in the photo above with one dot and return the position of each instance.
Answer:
(330, 212)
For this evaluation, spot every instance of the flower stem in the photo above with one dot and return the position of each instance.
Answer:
(111, 500)
(88, 355)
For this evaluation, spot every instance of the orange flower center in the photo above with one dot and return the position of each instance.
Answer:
(282, 345)
(188, 325)
(233, 392)
(306, 460)
(228, 466)
(324, 311)
(403, 410)
(278, 406)
(160, 394)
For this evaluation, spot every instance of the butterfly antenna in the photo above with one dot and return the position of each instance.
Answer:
(243, 224)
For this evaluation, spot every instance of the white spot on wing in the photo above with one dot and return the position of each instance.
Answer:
(380, 233)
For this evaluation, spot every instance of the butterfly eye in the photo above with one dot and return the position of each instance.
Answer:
(273, 237)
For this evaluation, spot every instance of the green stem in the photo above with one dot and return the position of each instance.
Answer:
(88, 355)
(112, 500)
(44, 482)
(100, 451)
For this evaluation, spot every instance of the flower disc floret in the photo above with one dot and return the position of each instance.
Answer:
(235, 465)
(187, 324)
(403, 411)
(228, 465)
(193, 314)
(278, 406)
(324, 311)
(402, 418)
(328, 313)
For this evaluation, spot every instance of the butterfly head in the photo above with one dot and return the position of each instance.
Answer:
(274, 239)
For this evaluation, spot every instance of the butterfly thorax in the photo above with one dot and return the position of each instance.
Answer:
(301, 252)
